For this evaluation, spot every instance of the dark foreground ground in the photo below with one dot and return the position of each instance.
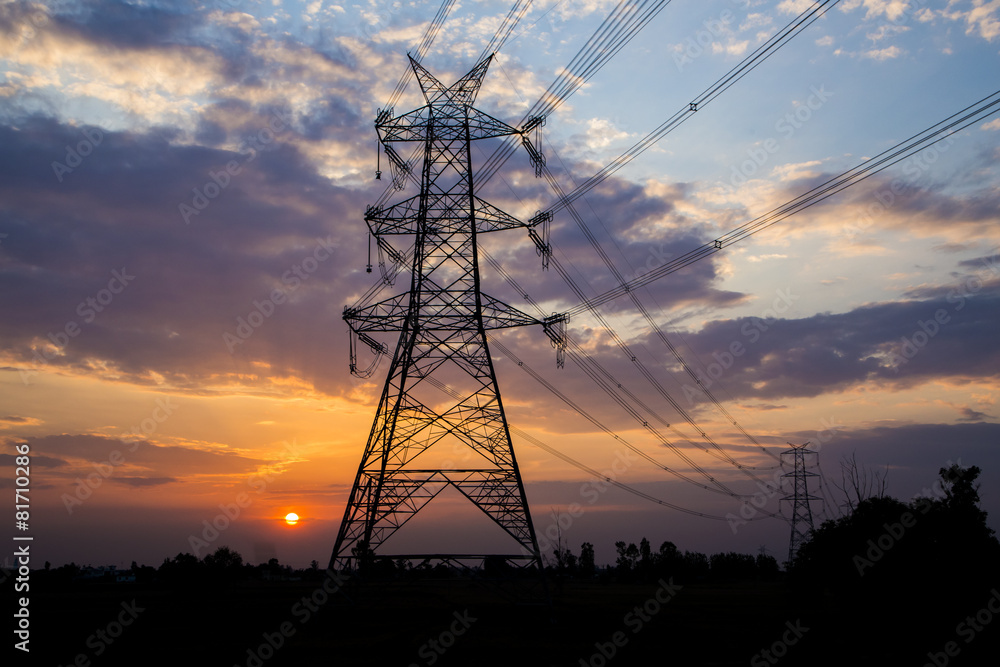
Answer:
(445, 623)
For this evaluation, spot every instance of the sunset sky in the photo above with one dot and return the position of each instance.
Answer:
(123, 286)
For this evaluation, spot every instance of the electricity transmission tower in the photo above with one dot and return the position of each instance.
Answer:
(441, 389)
(802, 520)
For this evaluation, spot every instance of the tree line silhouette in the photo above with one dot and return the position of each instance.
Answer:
(878, 549)
(639, 563)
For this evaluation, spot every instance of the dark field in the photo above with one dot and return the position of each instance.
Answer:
(459, 623)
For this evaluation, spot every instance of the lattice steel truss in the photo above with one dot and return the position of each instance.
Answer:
(442, 346)
(802, 519)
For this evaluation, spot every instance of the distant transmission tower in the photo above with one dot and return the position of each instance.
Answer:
(802, 520)
(441, 387)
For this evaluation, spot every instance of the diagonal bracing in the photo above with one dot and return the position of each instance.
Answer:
(442, 323)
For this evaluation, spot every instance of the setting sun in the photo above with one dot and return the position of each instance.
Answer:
(291, 518)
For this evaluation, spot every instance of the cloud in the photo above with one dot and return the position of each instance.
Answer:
(756, 20)
(39, 461)
(195, 282)
(119, 210)
(986, 265)
(797, 171)
(765, 258)
(599, 133)
(982, 19)
(197, 275)
(914, 448)
(889, 345)
(12, 421)
(167, 462)
(763, 406)
(129, 57)
(141, 482)
(887, 53)
(909, 198)
(794, 6)
(732, 48)
(893, 10)
(970, 415)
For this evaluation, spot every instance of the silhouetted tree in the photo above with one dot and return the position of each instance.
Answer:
(587, 564)
(645, 559)
(669, 561)
(628, 556)
(565, 560)
(225, 558)
(695, 566)
(183, 570)
(903, 569)
(732, 566)
(767, 567)
(858, 483)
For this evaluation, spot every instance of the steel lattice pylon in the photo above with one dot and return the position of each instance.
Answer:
(802, 520)
(442, 351)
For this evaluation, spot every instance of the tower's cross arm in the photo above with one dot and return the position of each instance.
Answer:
(448, 110)
(463, 92)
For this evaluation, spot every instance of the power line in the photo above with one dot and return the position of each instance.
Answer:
(615, 31)
(655, 327)
(430, 34)
(747, 65)
(958, 121)
(510, 22)
(582, 466)
(608, 383)
(979, 111)
(565, 200)
(976, 113)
